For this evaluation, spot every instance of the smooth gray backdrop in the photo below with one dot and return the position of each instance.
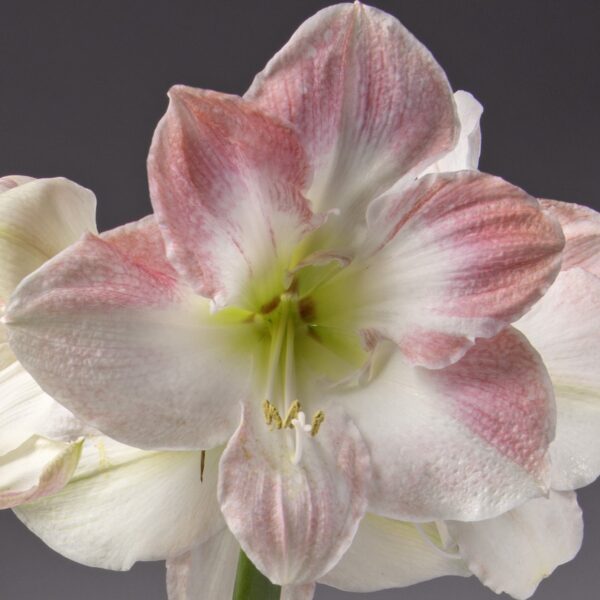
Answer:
(83, 83)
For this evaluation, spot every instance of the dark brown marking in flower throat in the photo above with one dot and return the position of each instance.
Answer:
(306, 309)
(202, 459)
(270, 306)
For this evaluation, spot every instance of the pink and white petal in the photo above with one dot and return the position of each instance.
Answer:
(467, 442)
(386, 553)
(38, 467)
(206, 571)
(369, 101)
(465, 155)
(38, 219)
(26, 410)
(305, 591)
(125, 505)
(581, 226)
(294, 521)
(225, 183)
(456, 257)
(515, 551)
(564, 326)
(127, 347)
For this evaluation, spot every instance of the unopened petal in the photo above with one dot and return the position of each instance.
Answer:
(515, 551)
(206, 571)
(294, 521)
(125, 505)
(386, 553)
(466, 442)
(107, 329)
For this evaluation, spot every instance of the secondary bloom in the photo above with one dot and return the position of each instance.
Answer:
(302, 252)
(39, 448)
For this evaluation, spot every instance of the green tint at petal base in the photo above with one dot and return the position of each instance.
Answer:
(251, 584)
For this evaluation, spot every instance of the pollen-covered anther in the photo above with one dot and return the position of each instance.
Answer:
(272, 416)
(317, 421)
(292, 413)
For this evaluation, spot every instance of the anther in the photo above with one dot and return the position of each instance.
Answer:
(317, 421)
(292, 413)
(272, 416)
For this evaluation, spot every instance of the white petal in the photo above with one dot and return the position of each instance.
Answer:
(125, 505)
(38, 219)
(26, 410)
(207, 571)
(564, 326)
(465, 154)
(304, 591)
(514, 552)
(37, 468)
(386, 553)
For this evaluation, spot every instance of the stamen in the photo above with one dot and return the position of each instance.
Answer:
(292, 413)
(302, 429)
(317, 421)
(272, 416)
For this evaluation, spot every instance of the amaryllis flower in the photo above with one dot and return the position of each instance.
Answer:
(304, 257)
(39, 445)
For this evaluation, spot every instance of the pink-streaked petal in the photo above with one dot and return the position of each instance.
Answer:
(465, 155)
(26, 410)
(294, 521)
(114, 337)
(369, 101)
(305, 591)
(564, 327)
(225, 183)
(125, 505)
(386, 553)
(39, 467)
(515, 551)
(466, 442)
(455, 257)
(38, 219)
(207, 571)
(581, 226)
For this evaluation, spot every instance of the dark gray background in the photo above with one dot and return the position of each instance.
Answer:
(83, 83)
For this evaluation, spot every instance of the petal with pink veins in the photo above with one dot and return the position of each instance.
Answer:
(294, 521)
(564, 327)
(369, 102)
(466, 442)
(206, 571)
(225, 183)
(455, 257)
(515, 551)
(125, 505)
(581, 226)
(145, 363)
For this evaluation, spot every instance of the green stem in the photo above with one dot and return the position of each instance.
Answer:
(251, 584)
